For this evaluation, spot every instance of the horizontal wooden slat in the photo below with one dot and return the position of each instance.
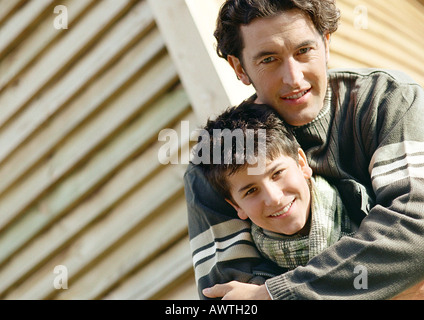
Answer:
(169, 224)
(8, 8)
(83, 142)
(42, 36)
(64, 231)
(14, 29)
(81, 108)
(113, 45)
(391, 13)
(62, 55)
(99, 240)
(102, 164)
(375, 47)
(376, 39)
(167, 268)
(185, 290)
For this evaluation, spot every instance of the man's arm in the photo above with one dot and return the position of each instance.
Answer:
(221, 243)
(386, 255)
(384, 258)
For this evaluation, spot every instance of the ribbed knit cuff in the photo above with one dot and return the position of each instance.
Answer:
(279, 288)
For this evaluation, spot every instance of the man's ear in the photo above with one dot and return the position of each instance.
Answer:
(240, 212)
(235, 63)
(327, 41)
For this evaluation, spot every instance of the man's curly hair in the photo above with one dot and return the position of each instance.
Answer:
(235, 13)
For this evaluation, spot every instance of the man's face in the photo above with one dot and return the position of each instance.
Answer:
(285, 58)
(277, 200)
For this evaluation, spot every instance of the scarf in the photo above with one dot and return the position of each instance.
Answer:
(329, 222)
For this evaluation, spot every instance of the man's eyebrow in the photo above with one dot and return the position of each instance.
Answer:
(306, 43)
(262, 54)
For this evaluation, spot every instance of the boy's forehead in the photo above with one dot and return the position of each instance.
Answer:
(242, 176)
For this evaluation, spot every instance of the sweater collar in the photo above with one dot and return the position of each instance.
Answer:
(313, 136)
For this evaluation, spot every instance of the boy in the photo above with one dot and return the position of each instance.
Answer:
(294, 214)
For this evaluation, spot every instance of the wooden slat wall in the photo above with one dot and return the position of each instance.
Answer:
(80, 112)
(393, 39)
(80, 181)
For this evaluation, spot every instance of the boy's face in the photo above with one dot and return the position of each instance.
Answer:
(279, 199)
(285, 58)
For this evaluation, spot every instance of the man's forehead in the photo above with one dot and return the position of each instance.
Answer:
(284, 17)
(292, 26)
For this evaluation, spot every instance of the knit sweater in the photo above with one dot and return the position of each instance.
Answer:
(368, 140)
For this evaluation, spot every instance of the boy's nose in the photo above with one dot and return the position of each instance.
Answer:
(272, 195)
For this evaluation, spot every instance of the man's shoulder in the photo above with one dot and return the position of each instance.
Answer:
(370, 75)
(193, 171)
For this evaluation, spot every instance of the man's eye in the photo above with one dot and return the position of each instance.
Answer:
(304, 50)
(268, 60)
(277, 174)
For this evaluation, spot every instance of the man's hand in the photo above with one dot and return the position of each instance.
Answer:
(414, 293)
(235, 290)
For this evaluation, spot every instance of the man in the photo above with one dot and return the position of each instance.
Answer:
(362, 129)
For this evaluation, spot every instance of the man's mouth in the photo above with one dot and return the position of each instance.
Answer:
(284, 210)
(296, 96)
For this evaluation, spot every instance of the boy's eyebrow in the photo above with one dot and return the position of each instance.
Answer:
(245, 187)
(306, 43)
(248, 186)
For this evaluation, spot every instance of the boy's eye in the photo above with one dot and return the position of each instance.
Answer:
(250, 191)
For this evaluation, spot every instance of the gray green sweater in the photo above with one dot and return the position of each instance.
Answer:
(369, 141)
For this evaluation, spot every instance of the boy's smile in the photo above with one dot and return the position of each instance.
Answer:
(277, 200)
(283, 212)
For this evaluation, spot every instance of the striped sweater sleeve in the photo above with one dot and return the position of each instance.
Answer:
(221, 243)
(389, 245)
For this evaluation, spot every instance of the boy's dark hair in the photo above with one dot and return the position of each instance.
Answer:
(248, 116)
(235, 13)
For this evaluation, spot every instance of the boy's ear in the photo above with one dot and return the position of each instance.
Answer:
(303, 164)
(240, 212)
(235, 63)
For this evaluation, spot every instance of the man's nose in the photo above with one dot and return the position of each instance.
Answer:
(292, 74)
